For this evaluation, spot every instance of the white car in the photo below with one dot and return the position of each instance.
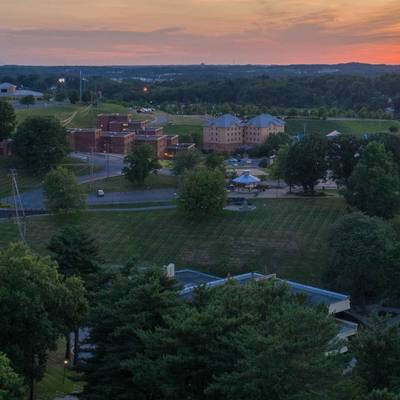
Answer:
(100, 193)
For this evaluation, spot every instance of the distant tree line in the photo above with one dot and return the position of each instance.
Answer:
(326, 95)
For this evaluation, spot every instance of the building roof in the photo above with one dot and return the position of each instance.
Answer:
(334, 134)
(336, 302)
(246, 179)
(224, 121)
(264, 121)
(6, 85)
(150, 138)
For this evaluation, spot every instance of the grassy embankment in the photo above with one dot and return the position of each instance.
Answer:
(286, 236)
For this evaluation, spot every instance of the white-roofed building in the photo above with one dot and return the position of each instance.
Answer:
(11, 91)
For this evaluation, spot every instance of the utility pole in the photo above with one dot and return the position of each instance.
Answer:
(108, 160)
(80, 86)
(92, 168)
(18, 206)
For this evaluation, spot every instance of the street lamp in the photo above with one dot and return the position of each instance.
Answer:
(65, 369)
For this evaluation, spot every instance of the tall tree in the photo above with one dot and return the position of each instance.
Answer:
(362, 247)
(374, 185)
(215, 348)
(7, 120)
(186, 160)
(33, 312)
(11, 385)
(306, 162)
(62, 192)
(40, 143)
(377, 350)
(202, 192)
(142, 300)
(77, 255)
(214, 160)
(344, 152)
(141, 162)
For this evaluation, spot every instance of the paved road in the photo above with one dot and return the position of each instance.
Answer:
(34, 199)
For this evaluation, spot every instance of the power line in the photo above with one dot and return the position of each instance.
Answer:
(18, 206)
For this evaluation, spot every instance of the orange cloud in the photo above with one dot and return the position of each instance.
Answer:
(193, 31)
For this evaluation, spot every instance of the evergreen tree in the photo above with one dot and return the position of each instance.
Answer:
(131, 304)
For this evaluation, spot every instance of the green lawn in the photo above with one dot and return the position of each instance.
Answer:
(25, 181)
(286, 236)
(73, 116)
(356, 127)
(121, 184)
(187, 133)
(52, 384)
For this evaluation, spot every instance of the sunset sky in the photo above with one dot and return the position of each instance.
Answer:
(58, 32)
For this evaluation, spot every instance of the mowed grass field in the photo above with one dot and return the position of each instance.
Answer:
(73, 116)
(356, 127)
(286, 236)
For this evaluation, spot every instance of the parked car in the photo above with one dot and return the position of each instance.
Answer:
(100, 193)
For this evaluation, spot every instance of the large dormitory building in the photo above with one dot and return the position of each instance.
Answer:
(228, 133)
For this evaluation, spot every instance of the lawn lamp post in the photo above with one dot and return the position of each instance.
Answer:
(65, 370)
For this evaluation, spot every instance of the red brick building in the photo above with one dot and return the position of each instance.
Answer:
(159, 143)
(85, 140)
(113, 122)
(116, 133)
(6, 148)
(117, 142)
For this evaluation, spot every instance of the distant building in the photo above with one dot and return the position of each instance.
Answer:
(335, 303)
(118, 134)
(228, 133)
(6, 148)
(11, 91)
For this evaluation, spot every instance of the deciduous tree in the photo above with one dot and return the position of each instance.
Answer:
(202, 192)
(11, 385)
(362, 247)
(40, 143)
(62, 192)
(141, 162)
(7, 120)
(374, 185)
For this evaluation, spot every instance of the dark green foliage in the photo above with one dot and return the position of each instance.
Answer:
(27, 100)
(76, 253)
(11, 385)
(239, 342)
(374, 185)
(41, 143)
(214, 160)
(62, 192)
(131, 304)
(377, 350)
(362, 247)
(306, 162)
(344, 152)
(73, 96)
(35, 306)
(271, 145)
(141, 162)
(382, 395)
(186, 160)
(7, 120)
(202, 192)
